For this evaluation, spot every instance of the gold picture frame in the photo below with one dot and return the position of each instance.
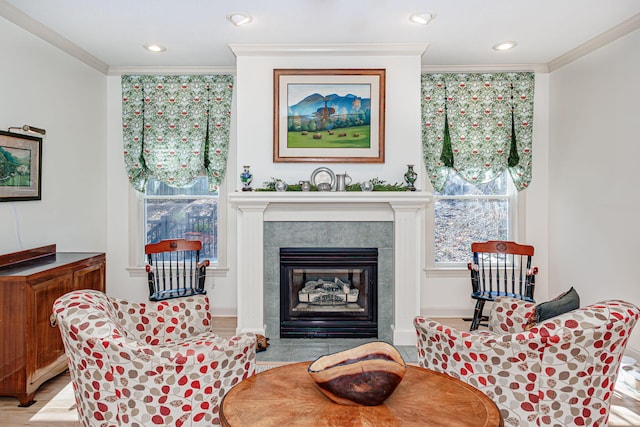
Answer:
(329, 115)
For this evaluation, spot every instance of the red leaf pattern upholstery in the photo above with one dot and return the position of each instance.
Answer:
(560, 373)
(143, 364)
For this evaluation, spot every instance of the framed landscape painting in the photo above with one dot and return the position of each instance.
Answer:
(20, 167)
(329, 116)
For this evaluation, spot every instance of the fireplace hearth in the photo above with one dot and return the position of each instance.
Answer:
(328, 292)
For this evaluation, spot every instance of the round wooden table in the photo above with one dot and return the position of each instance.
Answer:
(287, 396)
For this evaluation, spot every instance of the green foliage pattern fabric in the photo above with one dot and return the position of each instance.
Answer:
(490, 126)
(176, 128)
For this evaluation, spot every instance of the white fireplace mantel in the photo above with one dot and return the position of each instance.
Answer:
(405, 209)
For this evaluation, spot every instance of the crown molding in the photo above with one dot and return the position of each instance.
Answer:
(489, 68)
(630, 25)
(169, 70)
(357, 49)
(34, 27)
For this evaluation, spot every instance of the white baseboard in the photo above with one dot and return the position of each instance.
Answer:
(631, 352)
(448, 312)
(403, 336)
(224, 312)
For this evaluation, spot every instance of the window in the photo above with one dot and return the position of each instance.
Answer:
(189, 212)
(465, 213)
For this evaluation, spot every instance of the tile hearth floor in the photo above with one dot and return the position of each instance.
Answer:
(302, 349)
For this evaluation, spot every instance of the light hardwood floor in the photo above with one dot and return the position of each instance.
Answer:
(625, 409)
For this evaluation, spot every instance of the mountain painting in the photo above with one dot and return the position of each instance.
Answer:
(15, 167)
(329, 115)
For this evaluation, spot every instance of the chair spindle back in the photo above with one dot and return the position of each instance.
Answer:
(174, 269)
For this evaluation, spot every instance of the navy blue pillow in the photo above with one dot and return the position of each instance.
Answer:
(561, 304)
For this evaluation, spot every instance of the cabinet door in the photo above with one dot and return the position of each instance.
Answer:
(90, 277)
(45, 345)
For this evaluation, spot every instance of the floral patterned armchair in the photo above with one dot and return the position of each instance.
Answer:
(560, 372)
(153, 363)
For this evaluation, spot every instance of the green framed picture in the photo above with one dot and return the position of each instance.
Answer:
(20, 167)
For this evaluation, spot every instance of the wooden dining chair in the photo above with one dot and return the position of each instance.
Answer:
(174, 269)
(500, 269)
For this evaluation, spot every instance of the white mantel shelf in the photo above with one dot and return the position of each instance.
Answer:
(329, 196)
(405, 209)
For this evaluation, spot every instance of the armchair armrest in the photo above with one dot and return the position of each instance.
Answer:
(464, 354)
(510, 315)
(162, 383)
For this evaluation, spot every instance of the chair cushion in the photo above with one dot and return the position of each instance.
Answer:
(510, 315)
(563, 303)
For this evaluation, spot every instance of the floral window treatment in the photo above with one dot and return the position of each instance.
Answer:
(477, 125)
(176, 128)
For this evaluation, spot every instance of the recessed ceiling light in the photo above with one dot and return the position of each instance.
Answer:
(422, 18)
(238, 18)
(505, 46)
(155, 48)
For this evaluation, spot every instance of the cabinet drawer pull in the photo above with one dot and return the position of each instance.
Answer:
(53, 321)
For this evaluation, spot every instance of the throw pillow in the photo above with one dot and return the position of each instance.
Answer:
(561, 304)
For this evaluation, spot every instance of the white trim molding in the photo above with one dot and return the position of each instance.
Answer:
(358, 49)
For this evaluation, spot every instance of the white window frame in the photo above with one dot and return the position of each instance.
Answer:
(517, 201)
(137, 260)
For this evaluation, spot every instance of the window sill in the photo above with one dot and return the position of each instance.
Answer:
(447, 272)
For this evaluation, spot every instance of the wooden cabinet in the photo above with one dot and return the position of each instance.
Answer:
(30, 281)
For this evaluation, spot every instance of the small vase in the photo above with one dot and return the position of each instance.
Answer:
(281, 186)
(366, 186)
(305, 185)
(246, 177)
(410, 177)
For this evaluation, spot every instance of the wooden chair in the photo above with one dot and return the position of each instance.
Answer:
(500, 269)
(174, 269)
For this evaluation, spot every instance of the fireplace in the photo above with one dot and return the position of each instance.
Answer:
(269, 220)
(328, 292)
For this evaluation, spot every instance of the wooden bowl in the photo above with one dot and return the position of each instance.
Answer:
(365, 375)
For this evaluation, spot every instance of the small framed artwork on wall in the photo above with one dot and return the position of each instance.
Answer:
(332, 115)
(20, 167)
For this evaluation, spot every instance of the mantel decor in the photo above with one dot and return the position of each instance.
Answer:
(20, 167)
(329, 115)
(374, 184)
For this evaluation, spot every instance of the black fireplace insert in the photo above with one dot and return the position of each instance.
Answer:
(328, 292)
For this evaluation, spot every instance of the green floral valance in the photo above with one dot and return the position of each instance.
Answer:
(176, 128)
(477, 125)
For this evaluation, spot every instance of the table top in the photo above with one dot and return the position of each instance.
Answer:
(287, 395)
(40, 265)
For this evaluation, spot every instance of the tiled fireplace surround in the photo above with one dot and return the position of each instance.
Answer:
(390, 221)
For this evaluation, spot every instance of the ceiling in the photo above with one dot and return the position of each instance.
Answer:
(110, 34)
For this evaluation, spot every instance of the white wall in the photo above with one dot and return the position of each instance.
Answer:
(44, 87)
(254, 86)
(593, 175)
